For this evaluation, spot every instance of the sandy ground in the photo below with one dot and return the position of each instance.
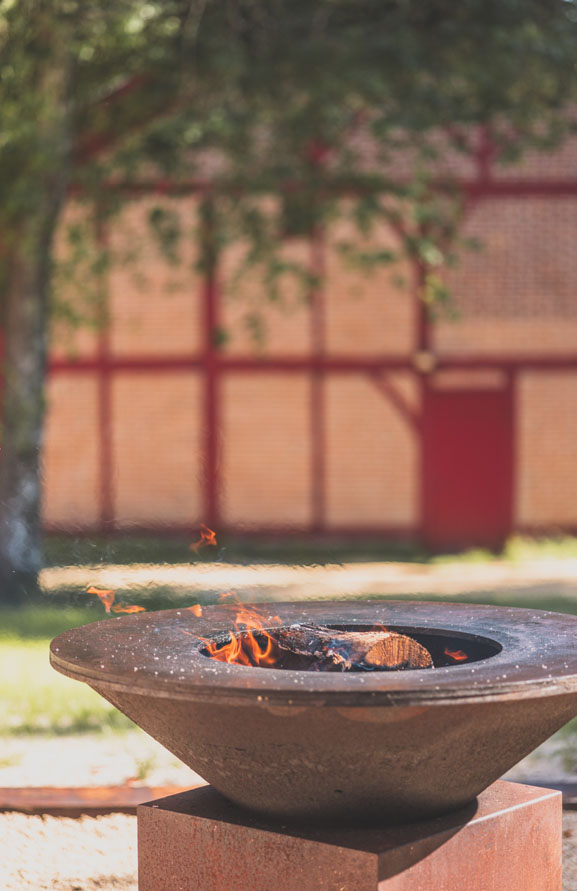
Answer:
(60, 854)
(134, 757)
(90, 760)
(282, 582)
(570, 851)
(101, 853)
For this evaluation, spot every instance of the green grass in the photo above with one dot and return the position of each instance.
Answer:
(61, 550)
(36, 699)
(76, 600)
(559, 547)
(42, 622)
(127, 548)
(517, 550)
(553, 603)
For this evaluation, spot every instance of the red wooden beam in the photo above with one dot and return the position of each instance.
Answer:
(135, 364)
(478, 187)
(396, 398)
(508, 363)
(270, 531)
(92, 144)
(211, 367)
(298, 364)
(522, 188)
(105, 420)
(317, 403)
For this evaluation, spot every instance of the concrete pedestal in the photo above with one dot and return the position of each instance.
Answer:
(507, 840)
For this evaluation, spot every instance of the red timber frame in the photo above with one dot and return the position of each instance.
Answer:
(213, 364)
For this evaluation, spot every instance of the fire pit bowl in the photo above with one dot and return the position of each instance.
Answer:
(385, 747)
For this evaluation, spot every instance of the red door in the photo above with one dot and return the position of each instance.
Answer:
(467, 467)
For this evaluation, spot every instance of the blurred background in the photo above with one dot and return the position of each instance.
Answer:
(288, 310)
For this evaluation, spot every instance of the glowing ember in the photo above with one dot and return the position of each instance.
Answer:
(106, 597)
(196, 610)
(457, 655)
(128, 608)
(207, 537)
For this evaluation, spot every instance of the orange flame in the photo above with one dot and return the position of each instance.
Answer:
(128, 608)
(207, 537)
(196, 610)
(106, 597)
(457, 655)
(228, 595)
(250, 643)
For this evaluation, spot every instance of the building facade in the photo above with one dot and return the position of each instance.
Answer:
(358, 414)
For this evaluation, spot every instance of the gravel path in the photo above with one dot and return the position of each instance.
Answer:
(57, 854)
(570, 851)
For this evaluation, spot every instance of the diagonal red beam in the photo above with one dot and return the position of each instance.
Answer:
(396, 398)
(91, 144)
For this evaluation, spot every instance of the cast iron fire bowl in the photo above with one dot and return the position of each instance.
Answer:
(379, 746)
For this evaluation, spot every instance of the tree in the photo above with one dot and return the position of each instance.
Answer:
(308, 102)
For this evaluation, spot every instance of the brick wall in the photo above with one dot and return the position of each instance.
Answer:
(516, 299)
(547, 449)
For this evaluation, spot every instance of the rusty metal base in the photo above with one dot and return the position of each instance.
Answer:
(509, 838)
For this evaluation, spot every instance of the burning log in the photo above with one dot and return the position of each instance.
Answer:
(317, 648)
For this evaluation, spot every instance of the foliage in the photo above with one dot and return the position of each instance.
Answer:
(309, 102)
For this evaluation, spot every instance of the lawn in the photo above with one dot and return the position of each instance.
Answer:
(35, 699)
(126, 549)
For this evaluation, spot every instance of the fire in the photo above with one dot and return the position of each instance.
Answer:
(127, 608)
(457, 655)
(207, 537)
(249, 643)
(228, 595)
(196, 610)
(106, 597)
(378, 627)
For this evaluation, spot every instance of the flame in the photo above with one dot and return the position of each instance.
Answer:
(228, 595)
(207, 537)
(244, 646)
(457, 655)
(106, 596)
(379, 627)
(128, 608)
(196, 610)
(107, 599)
